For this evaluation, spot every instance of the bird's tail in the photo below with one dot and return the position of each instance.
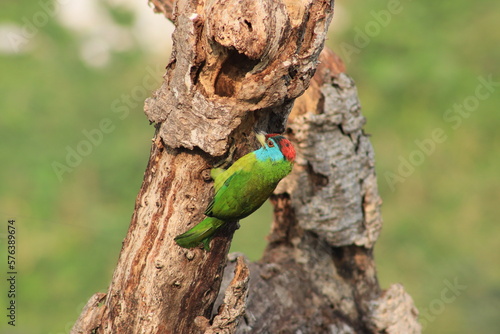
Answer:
(201, 233)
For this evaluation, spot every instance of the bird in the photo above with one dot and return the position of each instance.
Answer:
(242, 188)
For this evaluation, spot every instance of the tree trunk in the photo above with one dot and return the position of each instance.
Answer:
(236, 66)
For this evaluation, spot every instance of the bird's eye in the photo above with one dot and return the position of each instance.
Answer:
(270, 143)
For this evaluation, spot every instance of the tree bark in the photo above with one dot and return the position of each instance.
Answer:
(318, 274)
(236, 66)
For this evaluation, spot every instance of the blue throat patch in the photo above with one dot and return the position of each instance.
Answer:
(269, 153)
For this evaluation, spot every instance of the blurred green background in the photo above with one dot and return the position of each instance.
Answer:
(82, 69)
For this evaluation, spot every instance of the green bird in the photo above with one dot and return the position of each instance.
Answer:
(242, 188)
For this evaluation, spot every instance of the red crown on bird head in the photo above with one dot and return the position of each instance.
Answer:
(284, 145)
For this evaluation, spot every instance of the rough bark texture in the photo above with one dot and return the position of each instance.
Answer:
(234, 304)
(317, 274)
(238, 65)
(235, 63)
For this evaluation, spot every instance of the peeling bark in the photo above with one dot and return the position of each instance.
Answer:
(90, 316)
(233, 307)
(237, 66)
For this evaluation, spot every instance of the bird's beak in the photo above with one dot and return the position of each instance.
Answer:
(261, 137)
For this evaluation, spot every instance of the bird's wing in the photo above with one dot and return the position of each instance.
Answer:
(228, 182)
(223, 187)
